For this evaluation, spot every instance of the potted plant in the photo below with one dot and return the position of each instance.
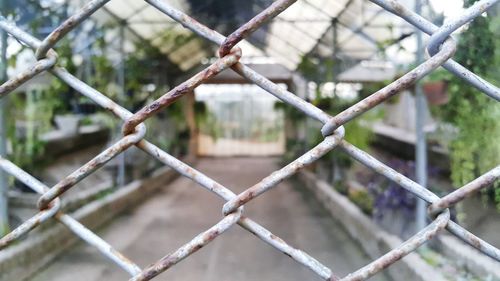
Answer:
(29, 116)
(435, 87)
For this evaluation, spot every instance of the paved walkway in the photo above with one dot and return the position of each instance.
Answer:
(183, 209)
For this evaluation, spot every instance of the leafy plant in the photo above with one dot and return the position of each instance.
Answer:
(355, 132)
(319, 70)
(389, 195)
(322, 71)
(30, 113)
(206, 121)
(29, 116)
(363, 199)
(475, 150)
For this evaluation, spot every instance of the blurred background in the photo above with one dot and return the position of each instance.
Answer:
(330, 53)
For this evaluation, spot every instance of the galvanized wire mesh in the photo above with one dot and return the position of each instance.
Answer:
(441, 48)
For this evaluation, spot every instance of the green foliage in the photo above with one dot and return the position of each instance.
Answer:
(4, 228)
(60, 94)
(29, 116)
(439, 74)
(430, 256)
(103, 73)
(206, 121)
(363, 199)
(341, 187)
(290, 112)
(141, 65)
(476, 148)
(356, 133)
(319, 70)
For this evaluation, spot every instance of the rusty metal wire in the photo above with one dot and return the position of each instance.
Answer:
(441, 48)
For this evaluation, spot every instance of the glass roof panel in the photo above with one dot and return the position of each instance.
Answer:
(303, 11)
(250, 50)
(144, 29)
(331, 8)
(191, 60)
(135, 6)
(286, 56)
(150, 14)
(120, 8)
(190, 48)
(301, 29)
(359, 46)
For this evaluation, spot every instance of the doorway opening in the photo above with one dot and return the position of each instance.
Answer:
(242, 121)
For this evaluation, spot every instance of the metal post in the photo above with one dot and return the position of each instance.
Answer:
(4, 214)
(421, 145)
(335, 168)
(120, 179)
(334, 51)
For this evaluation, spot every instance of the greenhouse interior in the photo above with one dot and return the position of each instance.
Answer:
(342, 140)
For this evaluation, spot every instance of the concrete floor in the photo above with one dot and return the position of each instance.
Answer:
(183, 209)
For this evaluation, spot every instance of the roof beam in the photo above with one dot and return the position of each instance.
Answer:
(359, 32)
(292, 22)
(123, 21)
(137, 12)
(355, 31)
(363, 25)
(349, 2)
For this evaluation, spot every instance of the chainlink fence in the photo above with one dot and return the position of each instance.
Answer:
(441, 48)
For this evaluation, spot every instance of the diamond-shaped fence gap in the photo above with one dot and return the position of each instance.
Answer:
(53, 211)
